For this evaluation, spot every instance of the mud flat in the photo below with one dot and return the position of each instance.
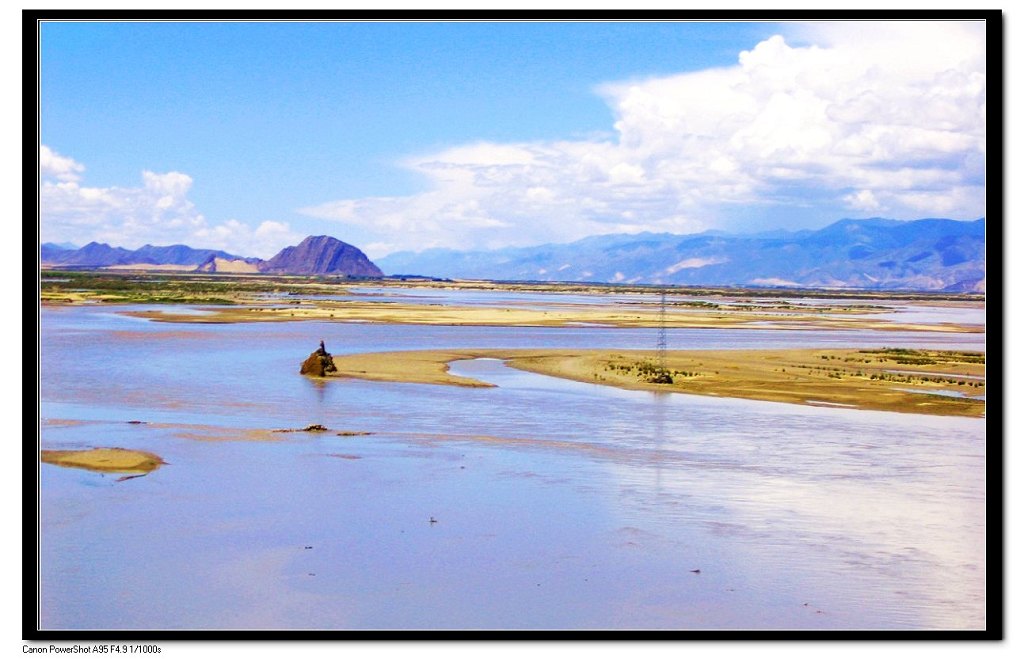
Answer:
(944, 382)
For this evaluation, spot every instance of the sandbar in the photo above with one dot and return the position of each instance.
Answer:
(116, 460)
(238, 298)
(551, 316)
(944, 382)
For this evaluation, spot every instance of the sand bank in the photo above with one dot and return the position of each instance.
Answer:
(117, 460)
(422, 367)
(242, 298)
(555, 316)
(861, 379)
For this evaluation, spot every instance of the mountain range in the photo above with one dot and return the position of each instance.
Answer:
(879, 254)
(928, 254)
(103, 255)
(316, 255)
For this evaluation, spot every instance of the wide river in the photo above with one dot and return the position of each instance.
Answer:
(537, 504)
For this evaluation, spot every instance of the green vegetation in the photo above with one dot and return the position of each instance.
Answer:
(170, 288)
(925, 357)
(193, 287)
(647, 371)
(120, 288)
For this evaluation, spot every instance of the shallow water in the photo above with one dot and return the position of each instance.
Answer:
(945, 392)
(928, 315)
(556, 504)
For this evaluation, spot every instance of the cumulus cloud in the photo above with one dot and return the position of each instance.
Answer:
(158, 212)
(53, 165)
(862, 200)
(268, 238)
(839, 118)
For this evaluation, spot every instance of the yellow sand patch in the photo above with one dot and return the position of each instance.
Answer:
(154, 267)
(555, 316)
(117, 460)
(860, 379)
(234, 265)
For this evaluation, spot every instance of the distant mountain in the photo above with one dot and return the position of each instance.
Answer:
(314, 255)
(177, 255)
(321, 255)
(97, 253)
(103, 255)
(929, 254)
(53, 250)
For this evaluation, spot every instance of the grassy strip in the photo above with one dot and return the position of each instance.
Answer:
(162, 284)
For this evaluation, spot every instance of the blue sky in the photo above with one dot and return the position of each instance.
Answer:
(392, 136)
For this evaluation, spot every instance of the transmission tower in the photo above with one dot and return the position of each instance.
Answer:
(662, 336)
(662, 376)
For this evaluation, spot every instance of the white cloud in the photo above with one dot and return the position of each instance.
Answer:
(62, 168)
(158, 213)
(171, 185)
(863, 200)
(239, 238)
(884, 118)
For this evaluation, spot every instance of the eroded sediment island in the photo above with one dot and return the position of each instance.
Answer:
(888, 379)
(112, 460)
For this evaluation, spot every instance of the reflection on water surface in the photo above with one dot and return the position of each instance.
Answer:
(556, 504)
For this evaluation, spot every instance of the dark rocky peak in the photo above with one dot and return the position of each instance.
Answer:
(322, 255)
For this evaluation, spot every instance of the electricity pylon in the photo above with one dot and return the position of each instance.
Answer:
(662, 335)
(662, 376)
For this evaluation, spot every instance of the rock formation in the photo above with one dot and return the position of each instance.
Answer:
(319, 363)
(321, 255)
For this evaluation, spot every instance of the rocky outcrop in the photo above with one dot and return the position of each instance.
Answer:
(322, 255)
(319, 363)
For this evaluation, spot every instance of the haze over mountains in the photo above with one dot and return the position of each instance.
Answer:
(931, 254)
(879, 254)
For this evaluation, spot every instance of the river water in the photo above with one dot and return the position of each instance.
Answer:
(536, 504)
